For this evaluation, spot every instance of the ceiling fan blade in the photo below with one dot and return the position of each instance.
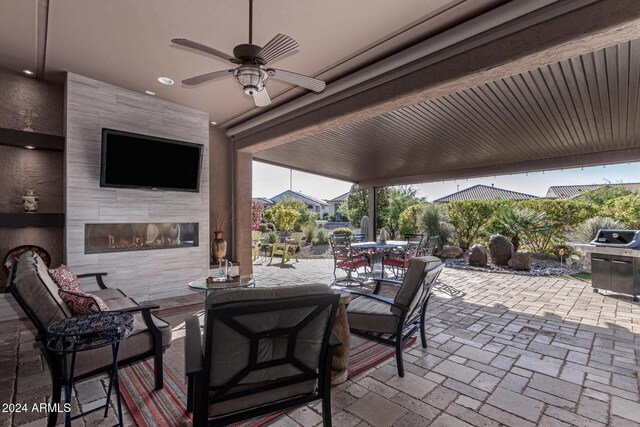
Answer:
(205, 49)
(278, 46)
(297, 79)
(261, 99)
(205, 77)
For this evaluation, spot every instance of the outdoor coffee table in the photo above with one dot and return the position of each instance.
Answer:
(234, 282)
(89, 332)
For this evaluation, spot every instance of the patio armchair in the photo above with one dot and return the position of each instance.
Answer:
(394, 321)
(256, 242)
(347, 259)
(37, 294)
(264, 350)
(399, 260)
(358, 237)
(285, 250)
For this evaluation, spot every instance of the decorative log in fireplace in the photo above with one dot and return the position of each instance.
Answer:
(102, 238)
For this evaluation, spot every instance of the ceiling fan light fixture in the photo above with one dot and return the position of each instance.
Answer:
(250, 78)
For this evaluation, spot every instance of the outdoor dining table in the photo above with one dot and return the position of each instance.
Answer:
(380, 249)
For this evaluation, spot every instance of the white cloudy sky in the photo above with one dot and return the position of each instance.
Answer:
(271, 180)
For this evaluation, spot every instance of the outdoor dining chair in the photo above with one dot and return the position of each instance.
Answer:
(347, 259)
(428, 245)
(256, 242)
(393, 321)
(399, 259)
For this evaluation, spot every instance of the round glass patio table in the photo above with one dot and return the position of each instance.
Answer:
(378, 251)
(235, 282)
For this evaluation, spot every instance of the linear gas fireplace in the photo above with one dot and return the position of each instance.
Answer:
(136, 236)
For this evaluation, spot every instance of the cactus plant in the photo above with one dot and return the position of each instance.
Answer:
(364, 226)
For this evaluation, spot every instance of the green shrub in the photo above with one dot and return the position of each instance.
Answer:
(271, 226)
(285, 217)
(587, 231)
(468, 218)
(272, 237)
(309, 231)
(627, 210)
(322, 237)
(517, 224)
(605, 194)
(343, 230)
(409, 219)
(304, 214)
(434, 221)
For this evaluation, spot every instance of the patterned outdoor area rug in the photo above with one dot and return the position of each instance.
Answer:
(167, 407)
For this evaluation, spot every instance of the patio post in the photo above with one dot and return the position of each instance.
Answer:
(372, 214)
(241, 196)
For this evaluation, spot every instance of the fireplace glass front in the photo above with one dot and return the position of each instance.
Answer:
(102, 238)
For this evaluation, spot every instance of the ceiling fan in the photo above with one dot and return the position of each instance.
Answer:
(252, 72)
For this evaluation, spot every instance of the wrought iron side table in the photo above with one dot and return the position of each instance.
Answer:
(89, 332)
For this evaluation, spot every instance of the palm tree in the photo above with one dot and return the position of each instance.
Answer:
(516, 223)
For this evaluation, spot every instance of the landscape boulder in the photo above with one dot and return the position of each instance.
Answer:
(478, 256)
(520, 260)
(500, 249)
(451, 252)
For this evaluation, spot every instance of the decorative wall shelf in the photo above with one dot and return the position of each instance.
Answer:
(16, 220)
(20, 138)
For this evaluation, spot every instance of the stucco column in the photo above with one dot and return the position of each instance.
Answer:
(372, 215)
(220, 186)
(242, 190)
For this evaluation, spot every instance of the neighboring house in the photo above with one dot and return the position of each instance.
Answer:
(267, 203)
(571, 191)
(316, 205)
(335, 203)
(484, 192)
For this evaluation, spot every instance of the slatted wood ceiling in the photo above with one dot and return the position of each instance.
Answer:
(588, 104)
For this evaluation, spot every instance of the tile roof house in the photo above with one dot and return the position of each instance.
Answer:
(571, 191)
(484, 192)
(316, 205)
(267, 203)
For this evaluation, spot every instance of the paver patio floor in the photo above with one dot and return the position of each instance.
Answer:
(502, 349)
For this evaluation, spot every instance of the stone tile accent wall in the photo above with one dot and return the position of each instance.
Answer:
(90, 106)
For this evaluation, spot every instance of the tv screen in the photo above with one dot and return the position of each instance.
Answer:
(138, 161)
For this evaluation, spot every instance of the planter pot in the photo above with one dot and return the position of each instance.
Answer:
(218, 246)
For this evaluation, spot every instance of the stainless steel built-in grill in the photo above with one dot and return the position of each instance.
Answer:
(615, 262)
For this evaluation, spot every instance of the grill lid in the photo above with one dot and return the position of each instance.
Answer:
(618, 238)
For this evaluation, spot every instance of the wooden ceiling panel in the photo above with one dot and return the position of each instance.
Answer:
(578, 107)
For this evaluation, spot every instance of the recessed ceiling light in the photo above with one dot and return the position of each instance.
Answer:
(28, 72)
(214, 123)
(165, 80)
(29, 147)
(148, 92)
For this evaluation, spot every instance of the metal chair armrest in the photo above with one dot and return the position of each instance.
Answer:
(98, 277)
(380, 299)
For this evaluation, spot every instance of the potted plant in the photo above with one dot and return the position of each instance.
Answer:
(218, 244)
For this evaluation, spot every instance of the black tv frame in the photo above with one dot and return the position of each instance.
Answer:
(103, 155)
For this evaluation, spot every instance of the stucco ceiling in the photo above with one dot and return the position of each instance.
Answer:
(127, 43)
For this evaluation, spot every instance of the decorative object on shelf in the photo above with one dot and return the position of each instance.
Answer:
(15, 253)
(30, 201)
(28, 115)
(218, 246)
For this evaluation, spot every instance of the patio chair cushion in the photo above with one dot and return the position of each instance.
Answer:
(370, 315)
(352, 264)
(38, 290)
(408, 291)
(230, 353)
(140, 338)
(109, 294)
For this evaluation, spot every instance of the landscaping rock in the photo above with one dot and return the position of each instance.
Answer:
(478, 256)
(500, 249)
(521, 261)
(451, 252)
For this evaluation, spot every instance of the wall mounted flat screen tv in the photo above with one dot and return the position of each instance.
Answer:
(131, 160)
